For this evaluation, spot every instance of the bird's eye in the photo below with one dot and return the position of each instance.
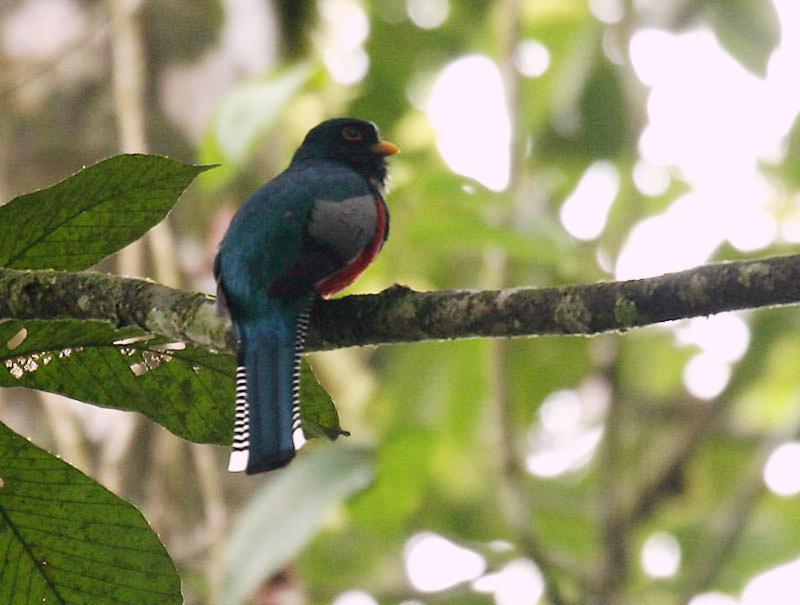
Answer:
(351, 134)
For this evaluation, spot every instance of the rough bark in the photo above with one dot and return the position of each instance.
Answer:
(399, 314)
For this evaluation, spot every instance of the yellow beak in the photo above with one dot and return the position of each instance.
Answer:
(384, 148)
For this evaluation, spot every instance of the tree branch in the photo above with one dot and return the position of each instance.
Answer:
(400, 314)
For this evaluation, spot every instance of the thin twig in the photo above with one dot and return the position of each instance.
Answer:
(615, 527)
(730, 519)
(658, 483)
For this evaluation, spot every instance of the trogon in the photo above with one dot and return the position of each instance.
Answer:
(307, 233)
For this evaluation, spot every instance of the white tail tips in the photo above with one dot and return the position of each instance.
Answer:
(238, 461)
(240, 455)
(298, 438)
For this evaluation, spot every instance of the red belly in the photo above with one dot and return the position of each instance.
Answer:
(344, 277)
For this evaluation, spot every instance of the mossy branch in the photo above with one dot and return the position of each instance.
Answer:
(400, 314)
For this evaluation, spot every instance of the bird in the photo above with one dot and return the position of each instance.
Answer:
(304, 235)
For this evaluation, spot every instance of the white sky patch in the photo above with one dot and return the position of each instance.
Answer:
(705, 376)
(650, 179)
(790, 224)
(661, 555)
(345, 27)
(585, 211)
(781, 470)
(428, 14)
(713, 121)
(708, 125)
(467, 108)
(435, 563)
(683, 236)
(723, 340)
(725, 336)
(519, 583)
(531, 58)
(775, 587)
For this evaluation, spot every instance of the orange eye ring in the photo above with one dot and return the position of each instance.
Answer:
(350, 133)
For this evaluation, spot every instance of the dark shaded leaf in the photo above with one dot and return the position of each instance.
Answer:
(67, 540)
(297, 23)
(95, 212)
(748, 29)
(188, 390)
(181, 30)
(319, 415)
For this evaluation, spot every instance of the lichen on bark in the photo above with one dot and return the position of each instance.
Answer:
(399, 314)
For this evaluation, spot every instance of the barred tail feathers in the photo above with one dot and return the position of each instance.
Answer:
(267, 425)
(240, 451)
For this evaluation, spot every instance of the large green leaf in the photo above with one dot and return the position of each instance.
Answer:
(67, 540)
(188, 390)
(286, 513)
(84, 218)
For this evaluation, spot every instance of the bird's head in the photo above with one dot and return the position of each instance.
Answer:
(351, 141)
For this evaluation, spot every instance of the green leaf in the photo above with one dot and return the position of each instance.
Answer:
(319, 415)
(297, 499)
(68, 540)
(84, 218)
(188, 390)
(748, 29)
(245, 116)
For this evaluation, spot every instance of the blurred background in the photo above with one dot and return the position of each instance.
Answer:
(544, 142)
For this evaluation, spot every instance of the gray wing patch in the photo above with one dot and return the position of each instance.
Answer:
(346, 227)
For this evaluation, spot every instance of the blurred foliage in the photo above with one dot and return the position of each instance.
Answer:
(430, 413)
(748, 29)
(182, 30)
(244, 118)
(296, 19)
(298, 502)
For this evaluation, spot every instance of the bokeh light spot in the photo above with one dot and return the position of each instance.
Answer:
(435, 563)
(428, 14)
(531, 58)
(585, 211)
(519, 583)
(355, 597)
(705, 376)
(782, 470)
(661, 555)
(468, 110)
(713, 598)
